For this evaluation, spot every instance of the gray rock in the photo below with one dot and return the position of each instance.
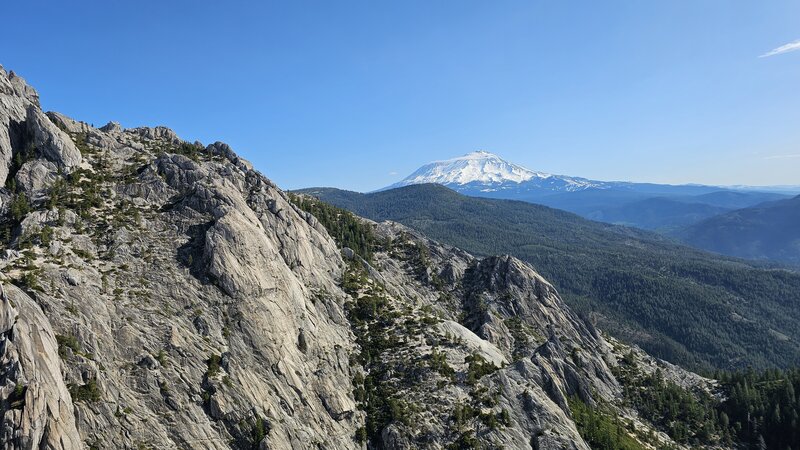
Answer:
(42, 416)
(53, 143)
(473, 343)
(15, 98)
(34, 177)
(112, 127)
(156, 133)
(73, 277)
(12, 84)
(66, 123)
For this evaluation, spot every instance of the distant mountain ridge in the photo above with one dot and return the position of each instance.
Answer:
(766, 231)
(651, 206)
(487, 172)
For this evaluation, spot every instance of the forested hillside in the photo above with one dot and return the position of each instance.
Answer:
(683, 305)
(767, 231)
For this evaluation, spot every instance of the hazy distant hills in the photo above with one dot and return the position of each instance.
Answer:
(682, 304)
(657, 213)
(665, 214)
(767, 231)
(644, 205)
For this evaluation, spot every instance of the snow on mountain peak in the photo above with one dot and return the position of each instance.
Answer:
(475, 167)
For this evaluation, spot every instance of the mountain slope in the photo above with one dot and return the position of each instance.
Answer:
(140, 259)
(156, 293)
(681, 304)
(496, 310)
(767, 231)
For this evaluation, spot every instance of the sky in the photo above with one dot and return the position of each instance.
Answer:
(358, 94)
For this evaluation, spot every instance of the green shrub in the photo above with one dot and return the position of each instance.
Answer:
(259, 431)
(214, 365)
(83, 254)
(46, 235)
(601, 430)
(67, 342)
(30, 280)
(17, 398)
(361, 435)
(438, 362)
(343, 226)
(19, 207)
(88, 392)
(477, 368)
(465, 441)
(162, 357)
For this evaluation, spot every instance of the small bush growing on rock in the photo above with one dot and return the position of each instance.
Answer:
(259, 431)
(162, 357)
(67, 342)
(17, 398)
(214, 364)
(361, 435)
(193, 151)
(629, 359)
(88, 392)
(46, 236)
(466, 440)
(30, 280)
(302, 345)
(504, 418)
(399, 410)
(438, 362)
(478, 368)
(19, 207)
(83, 254)
(81, 142)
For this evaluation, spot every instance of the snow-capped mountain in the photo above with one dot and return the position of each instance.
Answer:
(480, 166)
(644, 205)
(486, 172)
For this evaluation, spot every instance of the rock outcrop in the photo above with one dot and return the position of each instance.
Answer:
(177, 285)
(163, 294)
(25, 131)
(39, 410)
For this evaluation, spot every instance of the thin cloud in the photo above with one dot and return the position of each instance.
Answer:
(790, 47)
(393, 173)
(794, 155)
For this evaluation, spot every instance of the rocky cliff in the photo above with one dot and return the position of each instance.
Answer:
(158, 293)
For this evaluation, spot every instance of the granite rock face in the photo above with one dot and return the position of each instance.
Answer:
(468, 307)
(177, 286)
(48, 139)
(158, 293)
(40, 410)
(26, 130)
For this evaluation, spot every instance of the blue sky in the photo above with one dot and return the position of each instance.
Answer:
(359, 94)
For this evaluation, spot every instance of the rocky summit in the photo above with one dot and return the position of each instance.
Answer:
(157, 293)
